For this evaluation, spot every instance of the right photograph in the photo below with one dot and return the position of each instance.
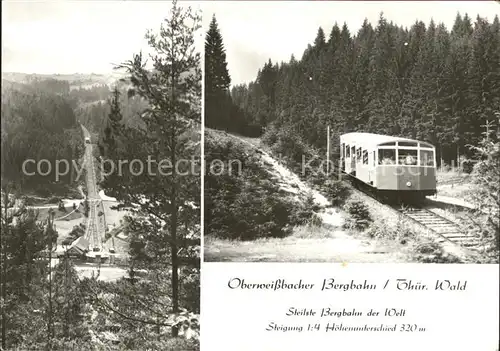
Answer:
(352, 132)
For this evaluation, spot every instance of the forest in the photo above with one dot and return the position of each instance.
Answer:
(38, 123)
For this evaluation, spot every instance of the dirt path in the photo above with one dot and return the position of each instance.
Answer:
(338, 247)
(329, 243)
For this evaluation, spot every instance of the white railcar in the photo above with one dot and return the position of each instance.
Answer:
(390, 164)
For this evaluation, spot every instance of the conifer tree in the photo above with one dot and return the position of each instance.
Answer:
(112, 125)
(486, 179)
(23, 244)
(320, 42)
(165, 196)
(217, 79)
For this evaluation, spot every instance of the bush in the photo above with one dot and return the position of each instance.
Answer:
(305, 213)
(53, 200)
(336, 191)
(257, 214)
(486, 195)
(431, 252)
(86, 208)
(315, 221)
(76, 232)
(66, 242)
(107, 236)
(270, 136)
(288, 145)
(401, 233)
(60, 206)
(29, 201)
(359, 215)
(318, 180)
(467, 166)
(43, 191)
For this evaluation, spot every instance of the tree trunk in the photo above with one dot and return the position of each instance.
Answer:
(67, 303)
(49, 323)
(173, 221)
(5, 229)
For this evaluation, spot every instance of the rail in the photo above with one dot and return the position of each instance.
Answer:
(420, 214)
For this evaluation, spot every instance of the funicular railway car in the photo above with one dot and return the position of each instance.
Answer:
(395, 167)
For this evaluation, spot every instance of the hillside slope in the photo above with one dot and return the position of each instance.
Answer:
(311, 240)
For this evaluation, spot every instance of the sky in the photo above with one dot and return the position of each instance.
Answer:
(66, 37)
(254, 31)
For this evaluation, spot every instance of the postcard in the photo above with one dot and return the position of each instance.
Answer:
(250, 175)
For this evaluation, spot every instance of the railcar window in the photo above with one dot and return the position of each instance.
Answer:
(347, 151)
(388, 144)
(425, 145)
(358, 153)
(407, 157)
(426, 158)
(386, 156)
(407, 143)
(365, 157)
(353, 151)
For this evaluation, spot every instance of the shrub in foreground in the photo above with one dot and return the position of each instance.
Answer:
(336, 191)
(359, 215)
(431, 252)
(400, 233)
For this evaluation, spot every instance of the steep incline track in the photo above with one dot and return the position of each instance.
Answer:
(422, 215)
(441, 226)
(96, 223)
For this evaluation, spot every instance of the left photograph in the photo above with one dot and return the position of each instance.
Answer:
(100, 175)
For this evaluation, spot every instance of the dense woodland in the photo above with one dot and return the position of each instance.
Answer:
(427, 82)
(38, 123)
(53, 308)
(94, 107)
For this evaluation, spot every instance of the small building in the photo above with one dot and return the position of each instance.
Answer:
(78, 248)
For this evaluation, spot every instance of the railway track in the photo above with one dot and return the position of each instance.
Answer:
(440, 225)
(95, 223)
(92, 233)
(420, 214)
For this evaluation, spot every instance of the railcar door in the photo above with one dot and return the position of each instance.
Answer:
(342, 157)
(353, 161)
(371, 167)
(347, 159)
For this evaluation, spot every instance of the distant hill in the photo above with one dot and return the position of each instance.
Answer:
(76, 80)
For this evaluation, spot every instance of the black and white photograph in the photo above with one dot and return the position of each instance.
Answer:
(101, 175)
(352, 132)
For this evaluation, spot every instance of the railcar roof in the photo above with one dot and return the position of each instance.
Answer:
(372, 139)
